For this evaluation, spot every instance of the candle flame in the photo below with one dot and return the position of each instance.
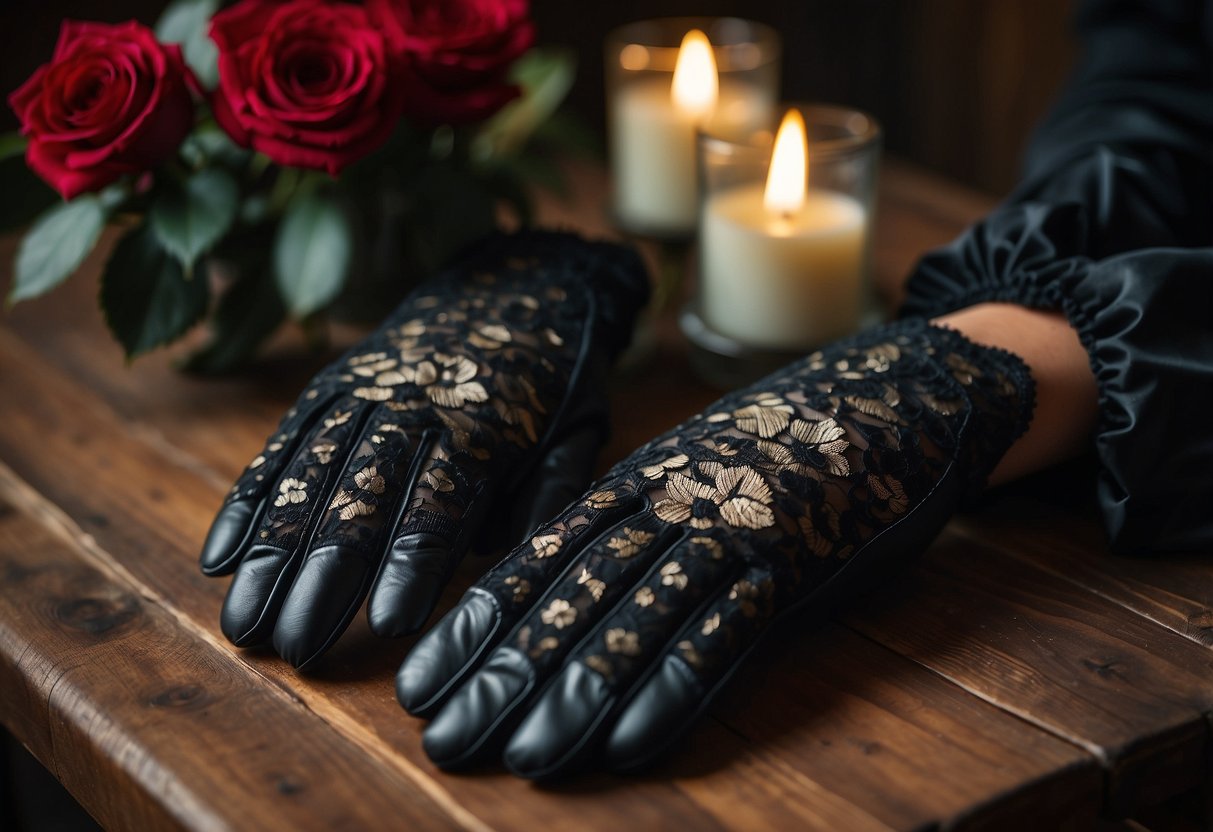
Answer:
(695, 87)
(788, 177)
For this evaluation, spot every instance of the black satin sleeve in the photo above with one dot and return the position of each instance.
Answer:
(1113, 225)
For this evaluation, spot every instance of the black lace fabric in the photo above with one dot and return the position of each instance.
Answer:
(447, 404)
(689, 547)
(773, 488)
(468, 374)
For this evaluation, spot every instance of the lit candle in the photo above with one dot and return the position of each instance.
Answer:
(782, 266)
(653, 126)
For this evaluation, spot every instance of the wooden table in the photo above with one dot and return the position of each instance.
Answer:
(1017, 674)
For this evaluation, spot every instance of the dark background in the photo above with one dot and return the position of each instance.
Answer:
(957, 84)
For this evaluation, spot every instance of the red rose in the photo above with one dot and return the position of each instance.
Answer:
(112, 101)
(459, 51)
(309, 83)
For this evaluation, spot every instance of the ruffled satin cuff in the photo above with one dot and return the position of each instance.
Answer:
(1146, 319)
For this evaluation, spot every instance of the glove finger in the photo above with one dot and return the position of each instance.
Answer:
(482, 713)
(443, 511)
(693, 668)
(558, 480)
(296, 502)
(568, 718)
(452, 649)
(230, 535)
(231, 531)
(348, 544)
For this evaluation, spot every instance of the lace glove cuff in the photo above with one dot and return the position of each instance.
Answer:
(611, 277)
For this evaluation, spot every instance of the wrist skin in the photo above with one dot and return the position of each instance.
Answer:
(1066, 395)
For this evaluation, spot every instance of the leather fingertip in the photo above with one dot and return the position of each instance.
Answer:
(555, 736)
(438, 661)
(388, 619)
(246, 618)
(241, 634)
(227, 536)
(413, 685)
(658, 714)
(300, 655)
(443, 746)
(324, 597)
(470, 728)
(408, 588)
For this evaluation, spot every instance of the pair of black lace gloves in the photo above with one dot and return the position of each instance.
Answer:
(476, 412)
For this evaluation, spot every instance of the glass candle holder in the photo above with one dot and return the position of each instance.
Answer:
(782, 274)
(652, 126)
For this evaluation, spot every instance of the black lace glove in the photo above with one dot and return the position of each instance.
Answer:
(607, 632)
(391, 459)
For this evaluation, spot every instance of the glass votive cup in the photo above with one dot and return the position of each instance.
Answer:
(775, 284)
(652, 135)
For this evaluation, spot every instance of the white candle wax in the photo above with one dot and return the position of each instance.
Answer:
(653, 144)
(782, 281)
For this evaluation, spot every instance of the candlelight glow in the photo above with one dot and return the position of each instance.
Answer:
(695, 87)
(634, 57)
(787, 178)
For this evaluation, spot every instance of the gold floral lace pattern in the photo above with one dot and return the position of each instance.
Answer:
(462, 385)
(751, 505)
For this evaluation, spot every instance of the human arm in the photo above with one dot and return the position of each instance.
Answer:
(1111, 228)
(1066, 398)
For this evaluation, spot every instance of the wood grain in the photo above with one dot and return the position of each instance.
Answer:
(1175, 591)
(861, 719)
(151, 728)
(1132, 693)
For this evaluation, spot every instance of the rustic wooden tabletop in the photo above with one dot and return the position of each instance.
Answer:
(1016, 674)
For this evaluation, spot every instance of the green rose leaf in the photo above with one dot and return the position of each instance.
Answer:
(56, 245)
(187, 22)
(145, 296)
(247, 314)
(545, 75)
(312, 252)
(191, 216)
